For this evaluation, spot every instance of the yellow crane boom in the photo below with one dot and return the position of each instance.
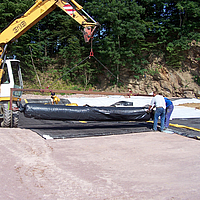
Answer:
(39, 10)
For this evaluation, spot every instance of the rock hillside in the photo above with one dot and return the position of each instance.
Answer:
(172, 83)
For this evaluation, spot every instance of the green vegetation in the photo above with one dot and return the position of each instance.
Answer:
(130, 31)
(197, 79)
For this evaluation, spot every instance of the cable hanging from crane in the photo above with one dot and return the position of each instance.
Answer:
(91, 55)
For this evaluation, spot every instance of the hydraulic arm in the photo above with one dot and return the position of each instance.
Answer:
(39, 10)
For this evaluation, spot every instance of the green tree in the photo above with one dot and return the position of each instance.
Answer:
(122, 31)
(171, 25)
(47, 38)
(10, 10)
(130, 31)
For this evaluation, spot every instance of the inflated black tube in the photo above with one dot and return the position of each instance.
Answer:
(83, 113)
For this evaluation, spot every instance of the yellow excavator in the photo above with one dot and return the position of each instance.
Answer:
(10, 72)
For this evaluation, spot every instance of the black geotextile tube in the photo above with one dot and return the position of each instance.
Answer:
(84, 113)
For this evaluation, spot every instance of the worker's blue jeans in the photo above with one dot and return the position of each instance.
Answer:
(168, 113)
(160, 112)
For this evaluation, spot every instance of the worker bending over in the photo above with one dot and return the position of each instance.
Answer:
(168, 111)
(158, 101)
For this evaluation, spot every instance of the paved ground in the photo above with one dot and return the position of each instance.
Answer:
(145, 165)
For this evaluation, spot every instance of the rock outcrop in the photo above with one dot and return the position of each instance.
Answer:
(170, 82)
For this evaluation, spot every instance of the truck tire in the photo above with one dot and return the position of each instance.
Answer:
(6, 116)
(15, 119)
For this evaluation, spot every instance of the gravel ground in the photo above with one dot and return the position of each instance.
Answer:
(149, 165)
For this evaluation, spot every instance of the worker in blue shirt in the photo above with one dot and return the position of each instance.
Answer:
(168, 111)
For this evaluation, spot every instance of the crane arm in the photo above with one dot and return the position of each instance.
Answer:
(38, 11)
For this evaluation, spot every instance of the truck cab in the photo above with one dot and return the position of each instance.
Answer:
(12, 78)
